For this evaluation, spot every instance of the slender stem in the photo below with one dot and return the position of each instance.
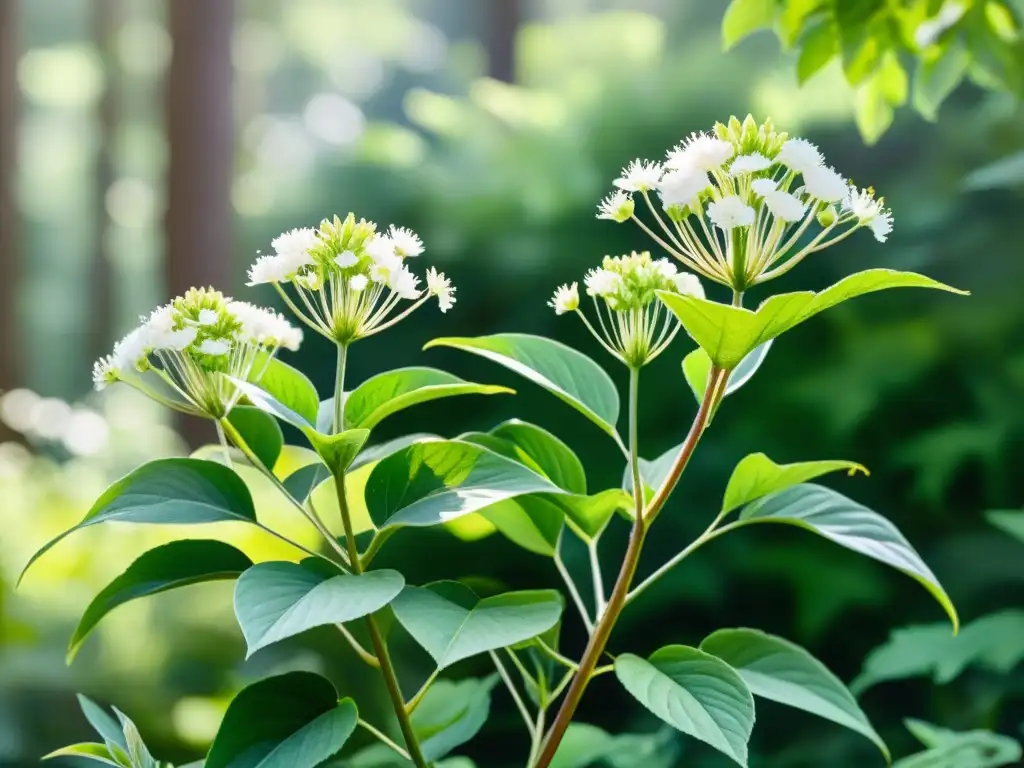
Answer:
(375, 544)
(560, 658)
(537, 737)
(602, 671)
(573, 591)
(617, 601)
(414, 702)
(507, 680)
(382, 737)
(595, 571)
(339, 389)
(224, 444)
(634, 449)
(361, 652)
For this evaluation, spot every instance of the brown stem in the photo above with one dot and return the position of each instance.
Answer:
(617, 601)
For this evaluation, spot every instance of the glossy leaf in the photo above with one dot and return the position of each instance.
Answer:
(169, 492)
(452, 623)
(290, 721)
(451, 713)
(779, 670)
(851, 525)
(543, 452)
(374, 453)
(387, 393)
(591, 514)
(260, 431)
(949, 749)
(533, 522)
(695, 693)
(274, 601)
(756, 475)
(436, 481)
(566, 373)
(178, 564)
(697, 370)
(728, 333)
(95, 753)
(340, 450)
(743, 17)
(291, 389)
(1008, 521)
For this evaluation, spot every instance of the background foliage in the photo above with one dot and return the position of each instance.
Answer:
(383, 108)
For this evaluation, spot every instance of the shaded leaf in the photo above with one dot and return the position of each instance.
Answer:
(1009, 521)
(102, 722)
(291, 389)
(451, 713)
(543, 452)
(937, 77)
(374, 453)
(948, 749)
(591, 514)
(303, 481)
(756, 475)
(697, 370)
(532, 522)
(260, 431)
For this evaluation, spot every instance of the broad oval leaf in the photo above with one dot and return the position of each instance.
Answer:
(590, 514)
(290, 721)
(694, 692)
(169, 492)
(274, 601)
(291, 388)
(697, 370)
(728, 334)
(543, 452)
(387, 393)
(849, 524)
(377, 451)
(436, 481)
(533, 522)
(566, 373)
(779, 670)
(451, 713)
(260, 431)
(178, 564)
(756, 475)
(452, 623)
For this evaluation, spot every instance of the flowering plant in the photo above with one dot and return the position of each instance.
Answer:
(737, 207)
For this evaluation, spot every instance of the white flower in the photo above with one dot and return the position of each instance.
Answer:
(173, 340)
(264, 326)
(763, 187)
(406, 242)
(618, 207)
(640, 176)
(825, 184)
(929, 31)
(269, 269)
(358, 283)
(104, 372)
(785, 206)
(346, 259)
(294, 246)
(749, 164)
(381, 248)
(440, 286)
(689, 285)
(214, 347)
(881, 225)
(681, 187)
(800, 155)
(665, 269)
(566, 299)
(130, 351)
(700, 151)
(208, 317)
(602, 282)
(403, 282)
(730, 212)
(868, 210)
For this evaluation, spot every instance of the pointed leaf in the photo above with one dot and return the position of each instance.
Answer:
(96, 753)
(543, 452)
(566, 373)
(260, 431)
(452, 623)
(697, 370)
(138, 753)
(387, 393)
(290, 721)
(304, 480)
(274, 601)
(533, 522)
(1009, 521)
(436, 481)
(169, 492)
(694, 692)
(291, 389)
(451, 713)
(777, 669)
(977, 749)
(851, 525)
(173, 565)
(728, 333)
(102, 722)
(756, 475)
(591, 514)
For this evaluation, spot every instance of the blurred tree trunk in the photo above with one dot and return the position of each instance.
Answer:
(503, 20)
(105, 21)
(200, 133)
(10, 363)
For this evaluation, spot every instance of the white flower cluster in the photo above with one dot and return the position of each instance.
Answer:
(349, 279)
(739, 204)
(632, 324)
(192, 344)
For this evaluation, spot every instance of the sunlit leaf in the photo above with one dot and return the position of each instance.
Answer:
(756, 475)
(937, 77)
(743, 17)
(94, 753)
(697, 370)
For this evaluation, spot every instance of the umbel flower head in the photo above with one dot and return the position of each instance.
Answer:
(347, 280)
(632, 324)
(193, 345)
(745, 203)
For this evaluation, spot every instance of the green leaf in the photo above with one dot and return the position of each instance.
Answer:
(169, 492)
(566, 373)
(851, 525)
(138, 753)
(374, 453)
(304, 480)
(819, 46)
(697, 370)
(694, 692)
(728, 334)
(586, 745)
(274, 601)
(1006, 172)
(433, 482)
(291, 389)
(948, 749)
(1009, 521)
(260, 431)
(542, 452)
(387, 393)
(592, 513)
(937, 77)
(103, 723)
(452, 623)
(289, 721)
(532, 522)
(451, 713)
(743, 17)
(96, 753)
(777, 669)
(653, 472)
(756, 475)
(994, 642)
(173, 565)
